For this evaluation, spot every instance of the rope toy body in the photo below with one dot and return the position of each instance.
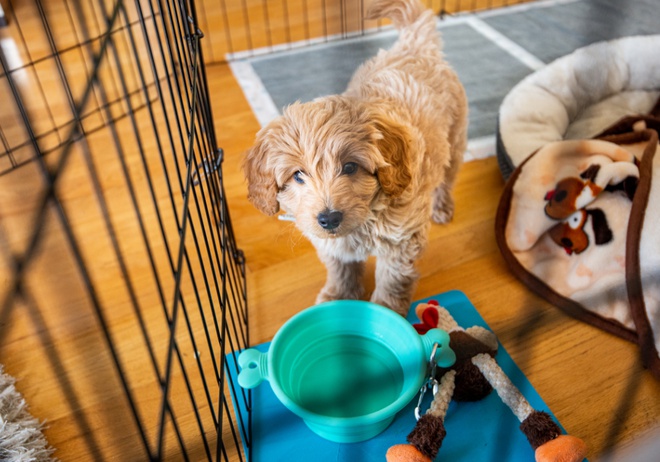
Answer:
(474, 375)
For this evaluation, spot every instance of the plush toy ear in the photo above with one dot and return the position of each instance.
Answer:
(394, 145)
(262, 187)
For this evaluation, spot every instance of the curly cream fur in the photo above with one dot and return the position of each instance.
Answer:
(403, 121)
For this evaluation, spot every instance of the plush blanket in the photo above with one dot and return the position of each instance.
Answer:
(579, 223)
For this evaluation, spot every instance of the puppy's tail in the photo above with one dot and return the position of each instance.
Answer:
(403, 13)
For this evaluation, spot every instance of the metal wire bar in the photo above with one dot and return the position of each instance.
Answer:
(53, 56)
(42, 93)
(102, 109)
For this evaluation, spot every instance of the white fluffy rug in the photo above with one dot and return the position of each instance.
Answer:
(21, 439)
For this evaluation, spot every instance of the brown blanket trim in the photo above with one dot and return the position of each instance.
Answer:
(539, 287)
(646, 341)
(626, 125)
(634, 284)
(655, 112)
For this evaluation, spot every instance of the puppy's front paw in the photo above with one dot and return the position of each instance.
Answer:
(398, 305)
(324, 296)
(332, 293)
(443, 216)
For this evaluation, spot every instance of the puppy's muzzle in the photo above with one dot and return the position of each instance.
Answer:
(330, 219)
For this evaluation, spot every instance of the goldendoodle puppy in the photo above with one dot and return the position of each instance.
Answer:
(363, 172)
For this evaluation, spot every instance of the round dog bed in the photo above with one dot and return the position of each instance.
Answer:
(578, 96)
(599, 258)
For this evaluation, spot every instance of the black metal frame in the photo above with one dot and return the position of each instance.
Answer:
(156, 74)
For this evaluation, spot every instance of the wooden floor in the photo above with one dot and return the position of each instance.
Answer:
(51, 342)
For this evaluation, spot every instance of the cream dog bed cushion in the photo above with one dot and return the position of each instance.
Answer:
(578, 96)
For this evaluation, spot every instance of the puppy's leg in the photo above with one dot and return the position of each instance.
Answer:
(443, 202)
(396, 276)
(344, 280)
(395, 284)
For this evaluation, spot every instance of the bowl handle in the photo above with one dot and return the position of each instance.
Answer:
(254, 368)
(444, 356)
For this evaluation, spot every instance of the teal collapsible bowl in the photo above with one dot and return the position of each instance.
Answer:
(345, 367)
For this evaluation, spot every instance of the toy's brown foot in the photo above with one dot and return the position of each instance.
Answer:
(405, 453)
(564, 448)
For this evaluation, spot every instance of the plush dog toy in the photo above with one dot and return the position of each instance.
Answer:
(472, 378)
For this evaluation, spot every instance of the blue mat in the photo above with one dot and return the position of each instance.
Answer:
(482, 431)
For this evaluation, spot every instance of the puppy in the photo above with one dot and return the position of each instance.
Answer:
(364, 171)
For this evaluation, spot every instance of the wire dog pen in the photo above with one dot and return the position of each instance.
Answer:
(115, 226)
(115, 230)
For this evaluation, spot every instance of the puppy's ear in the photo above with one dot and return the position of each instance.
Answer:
(395, 176)
(262, 187)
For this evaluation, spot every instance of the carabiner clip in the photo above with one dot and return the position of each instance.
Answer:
(431, 382)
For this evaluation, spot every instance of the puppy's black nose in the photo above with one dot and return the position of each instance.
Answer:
(330, 219)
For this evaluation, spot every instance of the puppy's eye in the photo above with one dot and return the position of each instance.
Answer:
(349, 168)
(298, 177)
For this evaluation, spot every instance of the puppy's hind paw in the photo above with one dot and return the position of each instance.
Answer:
(443, 216)
(443, 207)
